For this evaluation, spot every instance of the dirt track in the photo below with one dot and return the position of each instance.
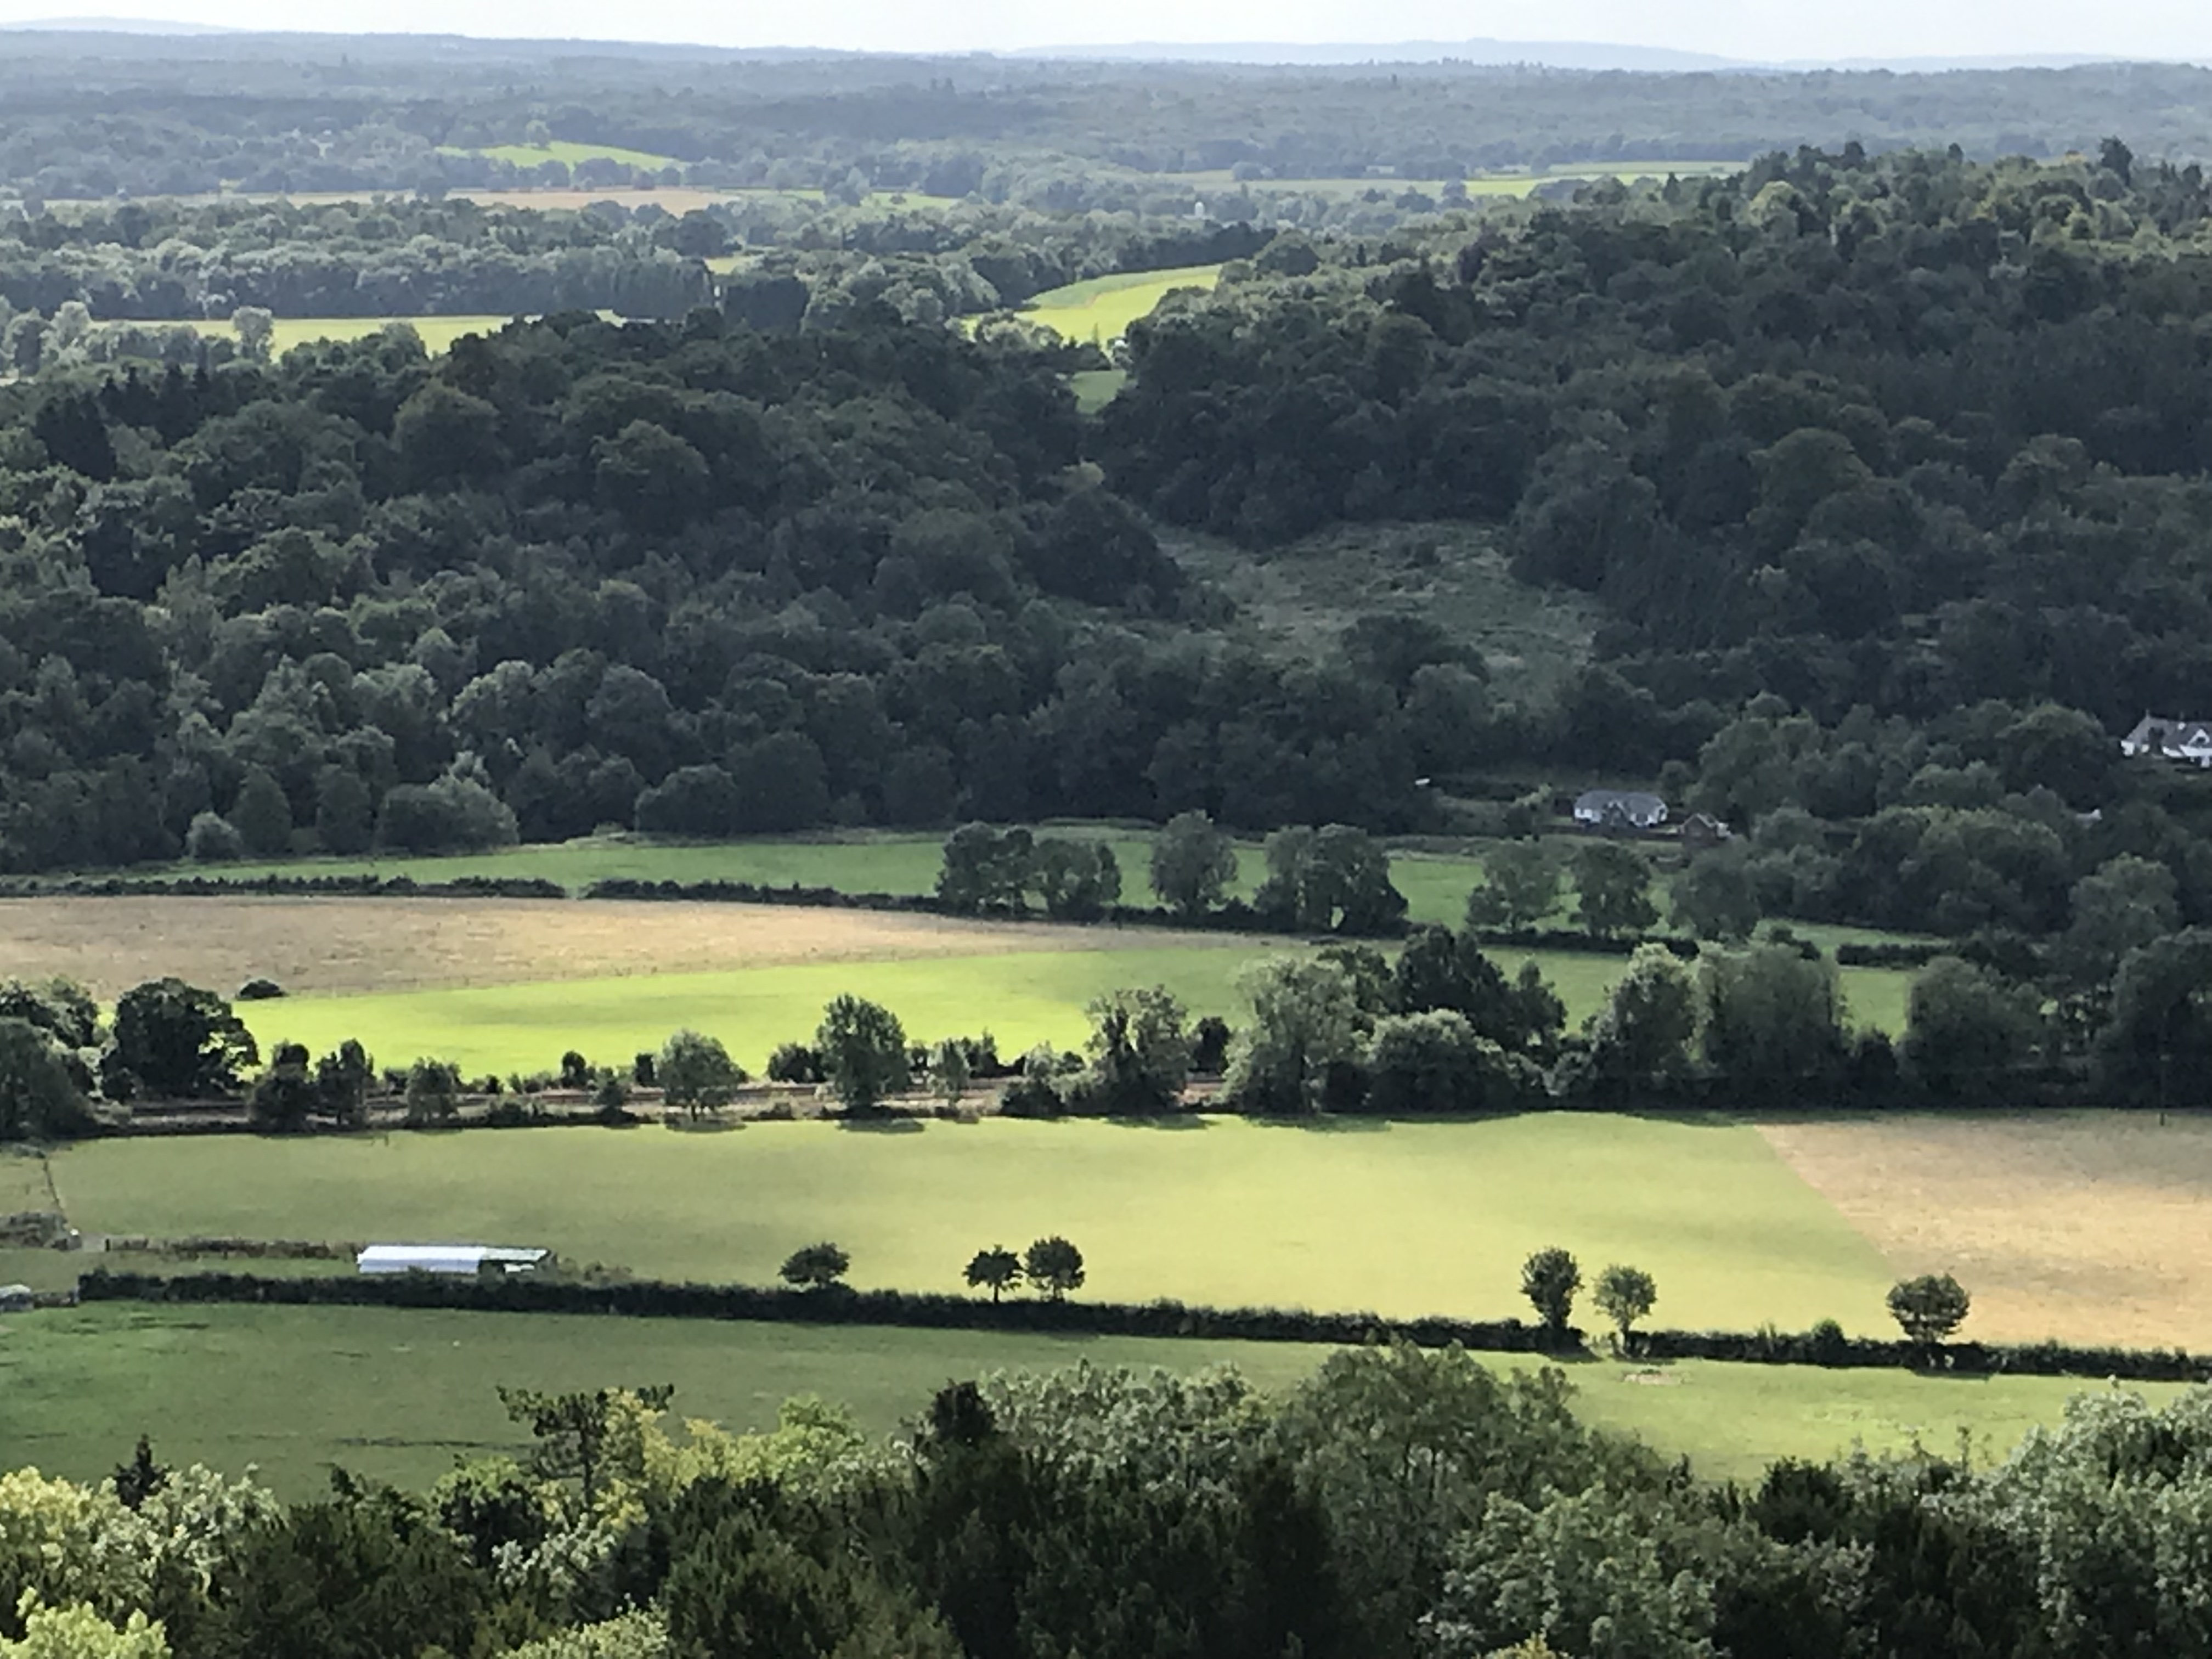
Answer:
(388, 945)
(2089, 1226)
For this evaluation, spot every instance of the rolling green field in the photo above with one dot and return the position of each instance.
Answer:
(1103, 308)
(399, 1396)
(1402, 1218)
(1023, 998)
(567, 153)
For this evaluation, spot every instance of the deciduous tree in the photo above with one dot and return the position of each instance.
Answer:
(863, 1050)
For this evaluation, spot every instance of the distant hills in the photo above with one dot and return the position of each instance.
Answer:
(118, 26)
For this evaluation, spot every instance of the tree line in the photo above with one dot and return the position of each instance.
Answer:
(89, 117)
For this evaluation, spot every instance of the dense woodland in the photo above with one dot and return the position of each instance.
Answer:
(91, 115)
(1399, 1504)
(1885, 473)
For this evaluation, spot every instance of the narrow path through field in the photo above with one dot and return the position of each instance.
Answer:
(2093, 1227)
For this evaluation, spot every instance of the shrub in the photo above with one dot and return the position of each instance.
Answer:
(431, 1092)
(794, 1063)
(212, 839)
(258, 990)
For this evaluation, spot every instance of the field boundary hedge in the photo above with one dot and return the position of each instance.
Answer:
(1825, 1347)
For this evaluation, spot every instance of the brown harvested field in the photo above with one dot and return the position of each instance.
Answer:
(2092, 1227)
(330, 943)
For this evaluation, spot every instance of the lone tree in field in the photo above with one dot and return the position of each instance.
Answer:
(696, 1073)
(1550, 1279)
(1193, 865)
(997, 1270)
(1054, 1267)
(1929, 1308)
(1624, 1295)
(863, 1050)
(816, 1267)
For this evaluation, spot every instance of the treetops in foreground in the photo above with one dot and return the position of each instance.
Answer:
(1397, 1504)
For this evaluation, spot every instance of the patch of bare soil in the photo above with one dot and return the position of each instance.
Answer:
(2091, 1227)
(308, 944)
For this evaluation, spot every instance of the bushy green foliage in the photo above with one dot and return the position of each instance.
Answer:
(864, 1053)
(1550, 1279)
(1929, 1308)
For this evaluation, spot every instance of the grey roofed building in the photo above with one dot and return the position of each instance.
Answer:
(2187, 741)
(1620, 809)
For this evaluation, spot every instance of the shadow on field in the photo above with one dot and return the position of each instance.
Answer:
(1159, 1120)
(704, 1125)
(882, 1126)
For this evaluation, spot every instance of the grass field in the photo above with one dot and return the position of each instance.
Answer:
(398, 1395)
(507, 985)
(437, 333)
(1023, 998)
(2092, 1223)
(1403, 1219)
(1103, 308)
(567, 153)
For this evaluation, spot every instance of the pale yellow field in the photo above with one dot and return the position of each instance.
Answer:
(437, 333)
(2089, 1226)
(342, 945)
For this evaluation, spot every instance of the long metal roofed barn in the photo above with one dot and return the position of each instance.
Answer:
(465, 1258)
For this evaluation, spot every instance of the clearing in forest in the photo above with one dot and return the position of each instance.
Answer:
(1101, 309)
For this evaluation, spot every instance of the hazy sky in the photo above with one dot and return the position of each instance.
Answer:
(1735, 29)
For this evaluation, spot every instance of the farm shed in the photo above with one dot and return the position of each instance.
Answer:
(468, 1259)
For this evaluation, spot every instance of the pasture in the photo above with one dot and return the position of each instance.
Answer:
(1102, 309)
(399, 1396)
(1403, 1219)
(436, 333)
(2092, 1223)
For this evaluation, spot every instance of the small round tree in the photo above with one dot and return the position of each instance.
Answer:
(1550, 1279)
(1929, 1308)
(816, 1267)
(1054, 1267)
(1624, 1295)
(997, 1270)
(696, 1073)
